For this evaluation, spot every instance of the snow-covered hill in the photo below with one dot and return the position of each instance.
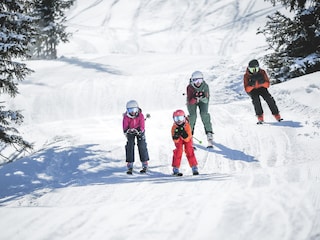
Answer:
(259, 182)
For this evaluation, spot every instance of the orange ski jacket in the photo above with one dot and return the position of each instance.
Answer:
(186, 127)
(257, 80)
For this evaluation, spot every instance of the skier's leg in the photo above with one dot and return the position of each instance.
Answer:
(270, 101)
(255, 97)
(190, 154)
(143, 150)
(192, 109)
(191, 157)
(205, 117)
(177, 154)
(130, 150)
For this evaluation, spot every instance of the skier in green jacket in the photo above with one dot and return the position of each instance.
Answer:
(198, 96)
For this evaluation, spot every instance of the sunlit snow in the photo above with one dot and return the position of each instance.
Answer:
(258, 182)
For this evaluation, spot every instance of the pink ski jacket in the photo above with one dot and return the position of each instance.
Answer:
(136, 122)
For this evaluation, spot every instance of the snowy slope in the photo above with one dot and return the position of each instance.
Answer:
(259, 182)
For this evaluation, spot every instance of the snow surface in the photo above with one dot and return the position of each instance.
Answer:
(259, 182)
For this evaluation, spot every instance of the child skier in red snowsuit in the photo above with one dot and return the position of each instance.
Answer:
(182, 138)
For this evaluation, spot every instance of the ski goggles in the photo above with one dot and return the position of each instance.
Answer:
(132, 110)
(179, 118)
(197, 80)
(253, 69)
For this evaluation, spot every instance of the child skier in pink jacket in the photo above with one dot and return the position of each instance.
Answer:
(134, 128)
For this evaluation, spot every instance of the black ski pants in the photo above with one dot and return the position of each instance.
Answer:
(264, 93)
(142, 147)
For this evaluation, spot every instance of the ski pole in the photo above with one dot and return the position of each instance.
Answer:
(147, 116)
(199, 141)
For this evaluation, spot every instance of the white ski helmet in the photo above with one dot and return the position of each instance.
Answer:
(132, 108)
(196, 79)
(197, 75)
(132, 104)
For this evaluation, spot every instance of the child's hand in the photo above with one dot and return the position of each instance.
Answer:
(132, 131)
(199, 95)
(177, 132)
(180, 131)
(184, 134)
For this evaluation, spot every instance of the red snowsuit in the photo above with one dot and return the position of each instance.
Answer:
(188, 148)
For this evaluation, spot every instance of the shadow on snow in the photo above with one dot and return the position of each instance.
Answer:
(286, 123)
(59, 167)
(91, 65)
(228, 153)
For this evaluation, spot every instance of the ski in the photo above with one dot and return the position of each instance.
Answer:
(178, 174)
(130, 171)
(263, 122)
(181, 174)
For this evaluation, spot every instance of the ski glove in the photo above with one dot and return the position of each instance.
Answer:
(176, 134)
(180, 131)
(133, 131)
(184, 134)
(199, 95)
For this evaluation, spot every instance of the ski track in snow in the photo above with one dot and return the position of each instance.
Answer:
(258, 182)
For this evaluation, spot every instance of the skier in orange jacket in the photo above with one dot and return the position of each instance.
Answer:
(182, 138)
(256, 83)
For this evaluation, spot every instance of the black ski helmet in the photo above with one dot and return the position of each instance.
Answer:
(253, 63)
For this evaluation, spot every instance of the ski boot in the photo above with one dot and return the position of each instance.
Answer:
(210, 139)
(176, 172)
(144, 167)
(278, 117)
(260, 119)
(129, 168)
(195, 170)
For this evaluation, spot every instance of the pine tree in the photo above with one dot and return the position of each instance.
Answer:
(16, 33)
(51, 31)
(295, 42)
